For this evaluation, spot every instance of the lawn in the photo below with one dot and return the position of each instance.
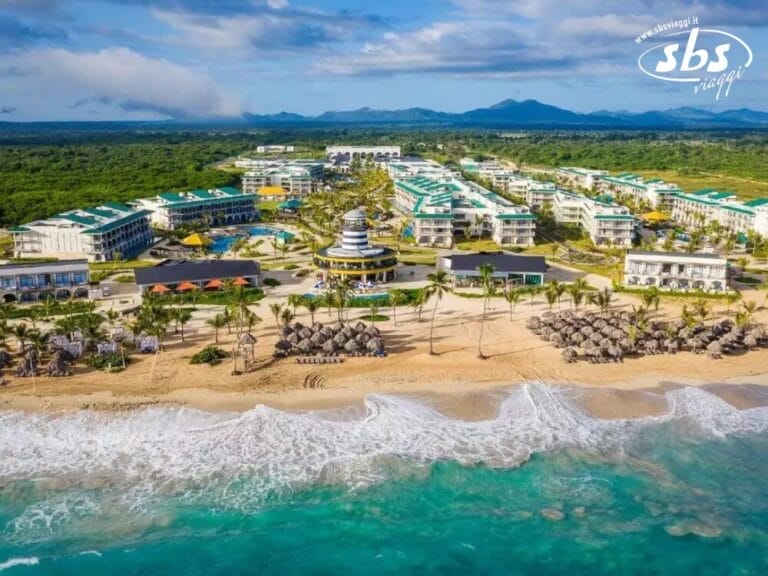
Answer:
(543, 249)
(744, 187)
(478, 245)
(409, 253)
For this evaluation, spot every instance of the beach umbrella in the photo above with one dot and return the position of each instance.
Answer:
(239, 281)
(186, 287)
(214, 284)
(159, 289)
(196, 240)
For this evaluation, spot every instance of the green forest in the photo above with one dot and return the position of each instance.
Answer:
(46, 172)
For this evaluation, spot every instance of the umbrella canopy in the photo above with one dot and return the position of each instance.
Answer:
(655, 217)
(160, 289)
(240, 281)
(215, 283)
(186, 287)
(196, 240)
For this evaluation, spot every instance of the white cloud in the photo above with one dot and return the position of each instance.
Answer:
(119, 77)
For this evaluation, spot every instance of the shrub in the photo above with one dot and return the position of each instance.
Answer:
(272, 282)
(210, 355)
(125, 278)
(291, 267)
(112, 361)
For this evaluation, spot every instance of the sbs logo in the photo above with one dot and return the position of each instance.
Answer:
(710, 58)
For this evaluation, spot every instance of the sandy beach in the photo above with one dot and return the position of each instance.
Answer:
(454, 378)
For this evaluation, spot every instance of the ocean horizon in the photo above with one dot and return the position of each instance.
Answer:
(391, 487)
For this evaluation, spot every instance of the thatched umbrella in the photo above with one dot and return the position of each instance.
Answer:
(352, 347)
(283, 346)
(695, 345)
(340, 339)
(714, 349)
(329, 347)
(750, 341)
(286, 331)
(305, 346)
(570, 354)
(305, 333)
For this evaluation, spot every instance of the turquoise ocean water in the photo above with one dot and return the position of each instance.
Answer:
(391, 488)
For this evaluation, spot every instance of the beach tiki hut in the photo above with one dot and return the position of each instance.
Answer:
(240, 281)
(214, 284)
(196, 240)
(186, 287)
(159, 289)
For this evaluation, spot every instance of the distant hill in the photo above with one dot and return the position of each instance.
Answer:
(529, 113)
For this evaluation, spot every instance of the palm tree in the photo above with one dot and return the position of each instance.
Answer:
(218, 322)
(294, 300)
(437, 287)
(601, 298)
(286, 316)
(275, 245)
(512, 297)
(277, 309)
(534, 293)
(238, 307)
(651, 297)
(701, 309)
(340, 294)
(489, 288)
(550, 295)
(182, 316)
(39, 340)
(577, 291)
(238, 246)
(312, 305)
(21, 332)
(396, 298)
(749, 308)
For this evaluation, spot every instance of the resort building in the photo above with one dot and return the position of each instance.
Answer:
(440, 208)
(656, 193)
(676, 271)
(362, 151)
(606, 223)
(708, 205)
(512, 269)
(298, 178)
(355, 258)
(412, 166)
(274, 148)
(217, 207)
(99, 234)
(63, 279)
(581, 177)
(189, 275)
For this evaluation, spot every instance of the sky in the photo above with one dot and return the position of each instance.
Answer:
(182, 59)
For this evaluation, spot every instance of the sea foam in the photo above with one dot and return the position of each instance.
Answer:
(239, 460)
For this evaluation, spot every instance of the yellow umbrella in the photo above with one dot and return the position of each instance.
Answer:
(196, 240)
(655, 216)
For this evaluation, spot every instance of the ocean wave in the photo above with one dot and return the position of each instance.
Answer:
(13, 562)
(238, 460)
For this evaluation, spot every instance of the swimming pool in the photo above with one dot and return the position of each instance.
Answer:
(223, 243)
(263, 231)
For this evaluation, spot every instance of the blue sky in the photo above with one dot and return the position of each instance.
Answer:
(152, 59)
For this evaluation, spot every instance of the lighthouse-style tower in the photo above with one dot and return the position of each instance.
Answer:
(355, 259)
(354, 232)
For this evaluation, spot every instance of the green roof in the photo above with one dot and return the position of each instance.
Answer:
(230, 191)
(117, 206)
(171, 197)
(77, 219)
(756, 202)
(516, 216)
(99, 212)
(202, 194)
(423, 216)
(18, 229)
(738, 209)
(109, 226)
(721, 195)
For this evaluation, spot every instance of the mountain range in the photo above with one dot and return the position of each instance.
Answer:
(528, 114)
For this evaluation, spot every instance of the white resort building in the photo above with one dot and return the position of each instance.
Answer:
(606, 223)
(676, 271)
(439, 208)
(298, 178)
(409, 167)
(655, 192)
(581, 177)
(534, 192)
(218, 207)
(705, 206)
(99, 234)
(362, 151)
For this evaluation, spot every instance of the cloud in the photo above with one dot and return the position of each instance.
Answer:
(120, 77)
(271, 26)
(7, 109)
(15, 33)
(533, 38)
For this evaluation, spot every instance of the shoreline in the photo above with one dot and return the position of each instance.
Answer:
(453, 379)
